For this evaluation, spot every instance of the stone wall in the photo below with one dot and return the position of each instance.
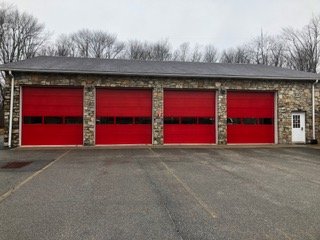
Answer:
(290, 96)
(317, 100)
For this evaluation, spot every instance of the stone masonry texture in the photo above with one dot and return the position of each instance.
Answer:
(290, 96)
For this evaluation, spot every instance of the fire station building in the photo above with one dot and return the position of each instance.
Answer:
(54, 101)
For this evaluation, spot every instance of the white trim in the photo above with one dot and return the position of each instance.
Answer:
(20, 117)
(314, 111)
(275, 118)
(152, 115)
(191, 144)
(49, 146)
(11, 110)
(83, 104)
(95, 114)
(216, 116)
(123, 144)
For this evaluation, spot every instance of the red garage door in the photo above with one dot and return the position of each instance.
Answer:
(52, 116)
(189, 116)
(124, 116)
(250, 117)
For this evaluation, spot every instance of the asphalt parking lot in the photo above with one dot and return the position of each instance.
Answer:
(165, 193)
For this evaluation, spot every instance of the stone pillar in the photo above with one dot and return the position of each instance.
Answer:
(16, 112)
(89, 116)
(6, 108)
(157, 113)
(222, 116)
(317, 105)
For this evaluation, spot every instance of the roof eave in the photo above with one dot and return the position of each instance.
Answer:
(157, 74)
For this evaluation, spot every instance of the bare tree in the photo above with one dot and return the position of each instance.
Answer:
(182, 53)
(161, 51)
(82, 39)
(264, 49)
(137, 50)
(65, 46)
(303, 46)
(258, 49)
(86, 43)
(235, 55)
(277, 52)
(21, 35)
(196, 55)
(210, 54)
(105, 45)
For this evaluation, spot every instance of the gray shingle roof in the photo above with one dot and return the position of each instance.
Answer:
(153, 68)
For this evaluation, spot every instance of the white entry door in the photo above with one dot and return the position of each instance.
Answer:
(298, 127)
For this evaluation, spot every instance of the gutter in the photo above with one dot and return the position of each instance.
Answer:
(11, 109)
(151, 74)
(314, 140)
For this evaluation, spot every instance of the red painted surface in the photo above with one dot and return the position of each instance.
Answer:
(189, 104)
(257, 105)
(124, 103)
(45, 102)
(52, 134)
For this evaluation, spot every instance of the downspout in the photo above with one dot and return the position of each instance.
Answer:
(314, 140)
(11, 110)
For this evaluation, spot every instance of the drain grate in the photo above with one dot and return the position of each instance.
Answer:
(12, 165)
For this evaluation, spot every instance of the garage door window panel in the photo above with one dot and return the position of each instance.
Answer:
(32, 120)
(53, 120)
(234, 120)
(105, 120)
(266, 121)
(206, 120)
(171, 120)
(142, 120)
(124, 120)
(73, 120)
(249, 121)
(188, 120)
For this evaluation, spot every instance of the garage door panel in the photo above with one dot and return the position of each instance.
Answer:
(199, 103)
(248, 104)
(186, 134)
(250, 134)
(52, 116)
(52, 135)
(124, 116)
(107, 134)
(52, 101)
(250, 117)
(124, 102)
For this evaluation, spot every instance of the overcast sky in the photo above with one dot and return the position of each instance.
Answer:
(224, 23)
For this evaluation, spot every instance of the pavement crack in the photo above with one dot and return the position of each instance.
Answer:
(187, 188)
(162, 199)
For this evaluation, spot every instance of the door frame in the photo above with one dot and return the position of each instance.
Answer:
(304, 126)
